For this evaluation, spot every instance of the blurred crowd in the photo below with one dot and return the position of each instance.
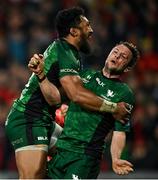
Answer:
(27, 27)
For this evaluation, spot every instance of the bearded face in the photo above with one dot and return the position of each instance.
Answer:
(85, 32)
(84, 44)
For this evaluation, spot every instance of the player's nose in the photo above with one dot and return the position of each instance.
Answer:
(117, 56)
(90, 33)
(91, 30)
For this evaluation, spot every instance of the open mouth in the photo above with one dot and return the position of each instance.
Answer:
(113, 62)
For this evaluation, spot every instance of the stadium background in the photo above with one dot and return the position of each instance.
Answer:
(27, 27)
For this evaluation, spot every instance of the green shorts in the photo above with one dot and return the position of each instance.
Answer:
(22, 132)
(71, 165)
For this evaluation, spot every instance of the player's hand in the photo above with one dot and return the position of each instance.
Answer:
(122, 167)
(36, 64)
(122, 112)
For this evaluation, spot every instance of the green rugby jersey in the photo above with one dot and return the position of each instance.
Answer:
(61, 58)
(85, 131)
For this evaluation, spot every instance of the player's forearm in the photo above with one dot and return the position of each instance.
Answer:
(50, 92)
(74, 89)
(91, 101)
(117, 144)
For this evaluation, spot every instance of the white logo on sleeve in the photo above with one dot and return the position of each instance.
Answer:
(110, 93)
(75, 177)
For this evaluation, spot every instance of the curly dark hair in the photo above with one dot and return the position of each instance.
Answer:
(134, 50)
(67, 19)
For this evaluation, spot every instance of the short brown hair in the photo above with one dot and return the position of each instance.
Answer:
(134, 50)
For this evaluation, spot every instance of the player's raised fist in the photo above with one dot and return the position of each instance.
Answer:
(36, 64)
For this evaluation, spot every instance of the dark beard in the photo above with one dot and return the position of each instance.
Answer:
(84, 46)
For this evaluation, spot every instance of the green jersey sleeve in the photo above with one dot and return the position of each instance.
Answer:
(69, 60)
(122, 127)
(129, 98)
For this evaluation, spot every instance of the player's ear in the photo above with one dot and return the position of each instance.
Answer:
(73, 32)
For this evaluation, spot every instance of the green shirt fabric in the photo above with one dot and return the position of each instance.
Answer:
(60, 59)
(84, 130)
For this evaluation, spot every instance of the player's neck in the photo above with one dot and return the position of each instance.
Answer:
(72, 41)
(107, 74)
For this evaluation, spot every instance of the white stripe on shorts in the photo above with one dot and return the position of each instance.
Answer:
(56, 133)
(39, 147)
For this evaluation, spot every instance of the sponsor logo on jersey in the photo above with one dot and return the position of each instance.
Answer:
(68, 70)
(40, 138)
(99, 82)
(75, 177)
(110, 93)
